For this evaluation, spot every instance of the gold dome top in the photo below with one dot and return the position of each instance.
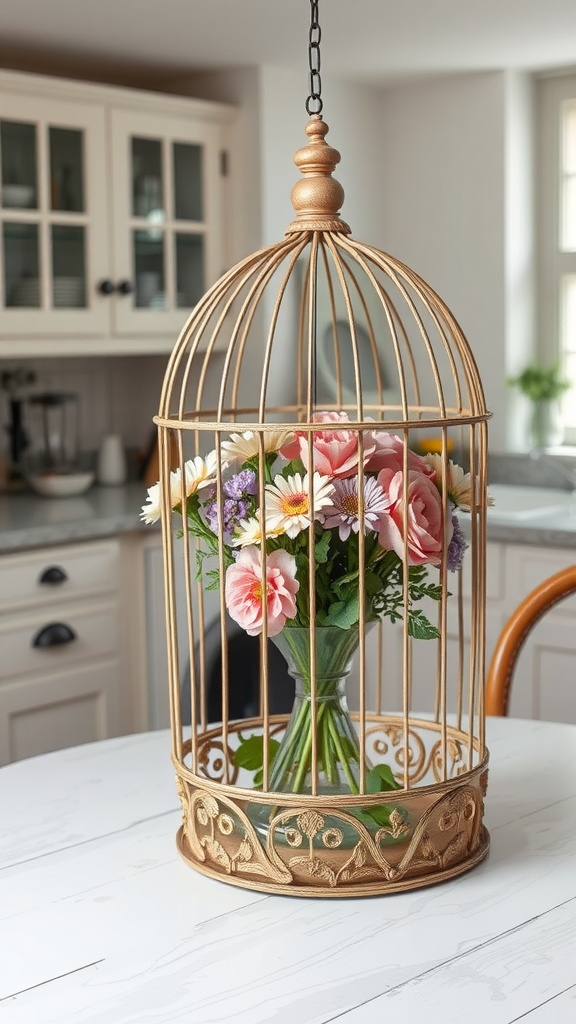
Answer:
(318, 197)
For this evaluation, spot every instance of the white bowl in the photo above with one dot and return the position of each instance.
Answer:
(17, 196)
(60, 485)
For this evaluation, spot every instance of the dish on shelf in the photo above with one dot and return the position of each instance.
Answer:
(17, 196)
(60, 485)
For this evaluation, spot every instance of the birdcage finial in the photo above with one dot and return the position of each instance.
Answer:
(317, 197)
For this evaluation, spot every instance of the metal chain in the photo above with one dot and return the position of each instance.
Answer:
(314, 101)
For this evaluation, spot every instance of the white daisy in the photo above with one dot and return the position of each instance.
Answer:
(246, 446)
(198, 473)
(249, 531)
(344, 511)
(288, 501)
(458, 483)
(151, 509)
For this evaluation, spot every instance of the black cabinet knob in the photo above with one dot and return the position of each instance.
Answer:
(106, 287)
(125, 287)
(53, 574)
(53, 635)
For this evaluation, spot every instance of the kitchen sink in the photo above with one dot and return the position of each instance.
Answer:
(525, 504)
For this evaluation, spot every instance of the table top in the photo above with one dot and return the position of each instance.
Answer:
(100, 920)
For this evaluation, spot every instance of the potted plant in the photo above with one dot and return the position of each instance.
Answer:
(543, 385)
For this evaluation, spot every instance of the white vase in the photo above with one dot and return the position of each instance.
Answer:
(111, 467)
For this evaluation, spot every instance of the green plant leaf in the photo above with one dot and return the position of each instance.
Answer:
(377, 815)
(380, 779)
(250, 753)
(420, 628)
(344, 614)
(321, 548)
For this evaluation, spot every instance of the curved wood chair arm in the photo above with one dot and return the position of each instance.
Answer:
(512, 638)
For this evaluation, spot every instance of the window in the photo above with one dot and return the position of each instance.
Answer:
(557, 233)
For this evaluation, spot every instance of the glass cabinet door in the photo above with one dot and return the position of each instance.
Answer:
(52, 225)
(169, 249)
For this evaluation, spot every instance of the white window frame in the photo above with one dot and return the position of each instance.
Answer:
(554, 263)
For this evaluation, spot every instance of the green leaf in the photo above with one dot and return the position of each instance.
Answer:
(321, 548)
(344, 614)
(250, 753)
(373, 582)
(380, 779)
(420, 628)
(377, 815)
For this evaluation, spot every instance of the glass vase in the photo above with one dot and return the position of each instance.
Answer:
(546, 429)
(337, 747)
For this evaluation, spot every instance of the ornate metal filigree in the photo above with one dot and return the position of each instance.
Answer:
(325, 849)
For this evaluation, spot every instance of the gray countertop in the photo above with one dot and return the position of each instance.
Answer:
(29, 521)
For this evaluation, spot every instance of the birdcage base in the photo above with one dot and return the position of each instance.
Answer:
(341, 845)
(355, 887)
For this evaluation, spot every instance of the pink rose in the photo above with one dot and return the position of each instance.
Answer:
(389, 454)
(335, 452)
(244, 590)
(425, 524)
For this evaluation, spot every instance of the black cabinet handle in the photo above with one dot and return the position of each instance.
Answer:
(53, 635)
(125, 287)
(106, 287)
(53, 574)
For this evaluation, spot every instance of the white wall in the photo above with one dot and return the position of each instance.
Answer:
(520, 250)
(442, 196)
(437, 172)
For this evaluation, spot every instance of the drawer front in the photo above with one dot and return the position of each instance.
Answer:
(71, 633)
(59, 709)
(59, 573)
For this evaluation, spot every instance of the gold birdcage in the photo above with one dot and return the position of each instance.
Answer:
(323, 448)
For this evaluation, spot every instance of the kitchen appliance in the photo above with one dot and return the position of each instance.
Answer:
(53, 465)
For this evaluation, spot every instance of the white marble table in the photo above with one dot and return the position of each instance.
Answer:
(100, 921)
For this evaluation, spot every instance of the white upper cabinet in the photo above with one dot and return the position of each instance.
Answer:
(111, 215)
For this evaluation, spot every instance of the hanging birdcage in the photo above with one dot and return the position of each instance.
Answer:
(322, 436)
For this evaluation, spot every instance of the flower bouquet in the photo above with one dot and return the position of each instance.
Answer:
(299, 548)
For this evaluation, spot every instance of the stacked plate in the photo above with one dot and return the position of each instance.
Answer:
(25, 293)
(68, 292)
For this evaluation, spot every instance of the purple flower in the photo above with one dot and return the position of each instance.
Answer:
(344, 512)
(233, 511)
(241, 484)
(456, 547)
(239, 490)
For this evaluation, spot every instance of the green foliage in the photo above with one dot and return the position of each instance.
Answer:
(380, 779)
(540, 383)
(250, 754)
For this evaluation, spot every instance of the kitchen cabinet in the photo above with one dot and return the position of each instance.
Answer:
(541, 688)
(65, 672)
(113, 215)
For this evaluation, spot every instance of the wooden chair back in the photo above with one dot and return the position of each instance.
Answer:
(514, 634)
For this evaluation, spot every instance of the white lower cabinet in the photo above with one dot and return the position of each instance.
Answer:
(66, 674)
(543, 683)
(59, 708)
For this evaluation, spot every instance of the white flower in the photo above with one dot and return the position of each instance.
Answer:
(458, 483)
(151, 510)
(246, 446)
(250, 532)
(198, 473)
(288, 502)
(344, 510)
